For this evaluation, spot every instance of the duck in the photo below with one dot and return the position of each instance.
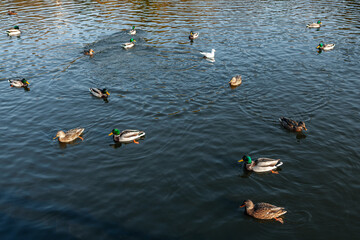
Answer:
(132, 31)
(193, 35)
(325, 47)
(14, 31)
(126, 136)
(292, 125)
(314, 25)
(18, 83)
(70, 135)
(89, 52)
(100, 93)
(209, 55)
(263, 210)
(129, 44)
(12, 13)
(235, 81)
(261, 164)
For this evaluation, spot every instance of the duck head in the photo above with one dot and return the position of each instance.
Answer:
(301, 125)
(319, 22)
(320, 45)
(133, 27)
(115, 131)
(59, 134)
(248, 204)
(246, 159)
(24, 81)
(132, 40)
(16, 27)
(105, 91)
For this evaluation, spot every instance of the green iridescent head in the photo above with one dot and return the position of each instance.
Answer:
(132, 40)
(247, 159)
(16, 27)
(319, 22)
(116, 131)
(133, 27)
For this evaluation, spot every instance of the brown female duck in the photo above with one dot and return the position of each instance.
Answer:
(70, 135)
(263, 210)
(292, 125)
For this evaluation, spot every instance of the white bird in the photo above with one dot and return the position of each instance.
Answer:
(210, 54)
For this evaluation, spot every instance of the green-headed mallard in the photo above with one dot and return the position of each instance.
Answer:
(129, 44)
(89, 52)
(70, 135)
(314, 25)
(292, 125)
(18, 83)
(12, 13)
(325, 47)
(235, 81)
(100, 93)
(261, 164)
(193, 35)
(263, 210)
(127, 136)
(14, 31)
(132, 31)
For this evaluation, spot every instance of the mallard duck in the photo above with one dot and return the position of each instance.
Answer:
(18, 83)
(70, 135)
(292, 125)
(14, 31)
(235, 81)
(12, 13)
(261, 164)
(89, 52)
(325, 47)
(209, 55)
(263, 210)
(100, 93)
(127, 136)
(193, 35)
(129, 44)
(314, 25)
(132, 31)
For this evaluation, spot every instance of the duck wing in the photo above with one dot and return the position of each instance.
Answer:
(266, 162)
(96, 92)
(130, 135)
(267, 211)
(74, 133)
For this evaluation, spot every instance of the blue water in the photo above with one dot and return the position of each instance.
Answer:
(183, 180)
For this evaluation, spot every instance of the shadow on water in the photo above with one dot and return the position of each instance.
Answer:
(43, 221)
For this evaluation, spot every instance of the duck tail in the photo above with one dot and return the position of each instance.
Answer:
(279, 164)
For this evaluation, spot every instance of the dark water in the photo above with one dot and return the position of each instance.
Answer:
(183, 180)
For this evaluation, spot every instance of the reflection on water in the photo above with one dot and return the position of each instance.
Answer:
(183, 181)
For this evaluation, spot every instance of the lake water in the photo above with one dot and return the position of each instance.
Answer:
(183, 180)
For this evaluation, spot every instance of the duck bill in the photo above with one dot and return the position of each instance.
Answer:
(55, 137)
(242, 206)
(107, 93)
(110, 134)
(318, 47)
(27, 83)
(305, 128)
(241, 160)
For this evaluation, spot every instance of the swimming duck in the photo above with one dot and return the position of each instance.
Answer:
(100, 93)
(12, 13)
(263, 210)
(325, 47)
(209, 55)
(193, 35)
(89, 52)
(314, 25)
(132, 31)
(70, 135)
(126, 136)
(292, 125)
(18, 83)
(14, 31)
(261, 164)
(129, 44)
(235, 81)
